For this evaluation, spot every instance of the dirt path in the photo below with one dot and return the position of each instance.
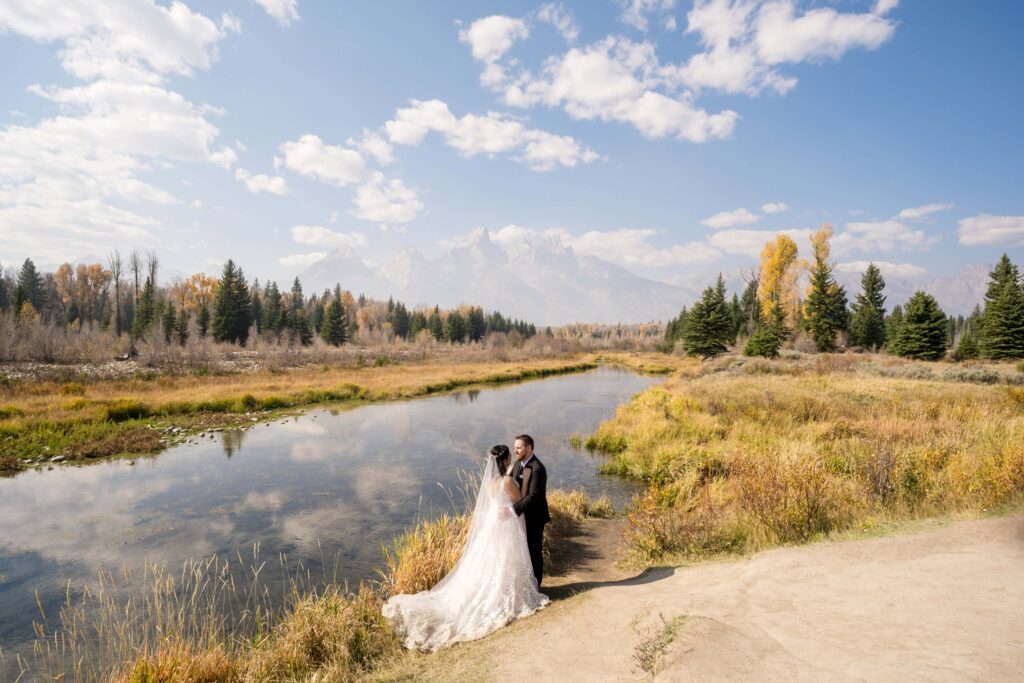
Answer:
(946, 603)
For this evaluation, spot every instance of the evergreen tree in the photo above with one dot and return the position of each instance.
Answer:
(273, 311)
(765, 341)
(893, 323)
(825, 310)
(736, 313)
(145, 312)
(709, 328)
(256, 306)
(301, 328)
(435, 325)
(317, 319)
(203, 321)
(182, 331)
(5, 299)
(400, 321)
(170, 323)
(455, 328)
(867, 325)
(32, 285)
(231, 313)
(750, 307)
(922, 334)
(967, 349)
(335, 328)
(1002, 322)
(417, 322)
(476, 325)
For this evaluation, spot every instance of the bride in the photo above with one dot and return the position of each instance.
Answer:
(491, 585)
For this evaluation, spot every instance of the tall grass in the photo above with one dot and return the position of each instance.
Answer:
(219, 620)
(759, 454)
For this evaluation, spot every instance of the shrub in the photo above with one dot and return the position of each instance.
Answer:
(126, 409)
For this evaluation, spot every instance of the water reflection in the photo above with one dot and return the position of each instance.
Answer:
(330, 482)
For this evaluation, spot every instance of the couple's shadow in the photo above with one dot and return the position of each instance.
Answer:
(567, 590)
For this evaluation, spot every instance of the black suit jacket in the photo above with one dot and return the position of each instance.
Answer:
(534, 505)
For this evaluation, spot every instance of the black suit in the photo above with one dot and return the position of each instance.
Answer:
(534, 508)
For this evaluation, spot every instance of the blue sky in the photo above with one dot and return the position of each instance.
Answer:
(651, 133)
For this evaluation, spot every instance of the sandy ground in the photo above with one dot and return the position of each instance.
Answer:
(946, 603)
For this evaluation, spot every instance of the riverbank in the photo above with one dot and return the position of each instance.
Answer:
(61, 421)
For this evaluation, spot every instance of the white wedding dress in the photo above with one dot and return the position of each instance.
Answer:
(491, 585)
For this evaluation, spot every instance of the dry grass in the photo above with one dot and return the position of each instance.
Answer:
(743, 456)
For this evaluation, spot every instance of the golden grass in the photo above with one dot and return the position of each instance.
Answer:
(216, 620)
(743, 456)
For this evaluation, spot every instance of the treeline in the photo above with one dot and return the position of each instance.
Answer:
(124, 297)
(770, 313)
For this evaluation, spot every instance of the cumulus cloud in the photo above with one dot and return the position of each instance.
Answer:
(884, 235)
(918, 212)
(491, 37)
(386, 201)
(321, 236)
(887, 268)
(729, 219)
(988, 230)
(60, 178)
(635, 12)
(262, 183)
(751, 242)
(774, 207)
(490, 134)
(302, 260)
(562, 19)
(285, 11)
(375, 145)
(330, 164)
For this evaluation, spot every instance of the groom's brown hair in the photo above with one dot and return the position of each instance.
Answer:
(526, 439)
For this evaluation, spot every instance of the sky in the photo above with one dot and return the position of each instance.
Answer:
(667, 136)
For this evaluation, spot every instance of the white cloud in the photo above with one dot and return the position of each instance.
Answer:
(285, 11)
(386, 201)
(631, 248)
(262, 183)
(885, 6)
(751, 242)
(617, 80)
(634, 12)
(512, 235)
(888, 269)
(880, 236)
(818, 33)
(320, 236)
(302, 260)
(774, 207)
(489, 134)
(374, 144)
(561, 18)
(729, 219)
(918, 212)
(671, 24)
(491, 37)
(331, 164)
(988, 230)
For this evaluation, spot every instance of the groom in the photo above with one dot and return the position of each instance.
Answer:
(534, 505)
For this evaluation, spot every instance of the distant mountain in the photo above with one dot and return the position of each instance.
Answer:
(550, 284)
(547, 283)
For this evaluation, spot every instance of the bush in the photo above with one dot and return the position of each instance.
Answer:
(764, 342)
(127, 409)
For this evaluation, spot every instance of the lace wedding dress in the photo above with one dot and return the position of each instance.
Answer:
(491, 585)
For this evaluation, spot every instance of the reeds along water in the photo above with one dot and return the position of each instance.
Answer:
(219, 620)
(750, 455)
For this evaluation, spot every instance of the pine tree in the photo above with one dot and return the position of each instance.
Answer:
(417, 322)
(893, 323)
(231, 313)
(708, 330)
(203, 321)
(455, 328)
(967, 349)
(867, 324)
(476, 326)
(145, 312)
(435, 325)
(170, 323)
(1002, 322)
(256, 306)
(335, 328)
(317, 319)
(400, 321)
(272, 311)
(750, 307)
(825, 310)
(765, 341)
(182, 331)
(32, 285)
(922, 334)
(5, 299)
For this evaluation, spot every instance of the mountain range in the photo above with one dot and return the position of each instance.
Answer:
(548, 283)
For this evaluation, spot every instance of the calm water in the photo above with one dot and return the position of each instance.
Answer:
(343, 481)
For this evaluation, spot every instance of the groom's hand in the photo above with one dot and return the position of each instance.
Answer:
(505, 513)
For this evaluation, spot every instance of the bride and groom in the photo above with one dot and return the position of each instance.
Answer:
(497, 578)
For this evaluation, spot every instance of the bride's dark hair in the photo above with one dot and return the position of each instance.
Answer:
(501, 457)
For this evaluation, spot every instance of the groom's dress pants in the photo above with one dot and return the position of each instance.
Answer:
(535, 542)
